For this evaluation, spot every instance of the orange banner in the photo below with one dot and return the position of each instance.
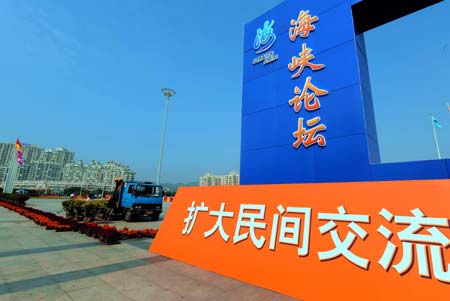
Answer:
(334, 241)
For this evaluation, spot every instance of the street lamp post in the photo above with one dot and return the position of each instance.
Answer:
(168, 93)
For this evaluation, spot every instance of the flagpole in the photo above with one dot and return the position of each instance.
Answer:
(436, 139)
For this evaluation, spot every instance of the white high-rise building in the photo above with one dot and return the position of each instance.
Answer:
(43, 165)
(59, 155)
(230, 179)
(3, 174)
(209, 180)
(7, 151)
(56, 168)
(33, 152)
(219, 180)
(96, 174)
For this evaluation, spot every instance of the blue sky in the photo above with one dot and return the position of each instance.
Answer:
(87, 75)
(409, 62)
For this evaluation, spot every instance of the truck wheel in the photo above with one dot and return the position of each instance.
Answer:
(128, 216)
(155, 217)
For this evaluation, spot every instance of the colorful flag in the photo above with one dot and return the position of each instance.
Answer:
(19, 152)
(436, 123)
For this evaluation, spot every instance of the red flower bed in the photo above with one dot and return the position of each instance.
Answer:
(106, 234)
(128, 234)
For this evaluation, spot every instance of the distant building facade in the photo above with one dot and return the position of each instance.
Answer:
(56, 168)
(3, 174)
(219, 180)
(44, 165)
(6, 153)
(96, 174)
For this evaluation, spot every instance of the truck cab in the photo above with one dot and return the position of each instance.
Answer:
(139, 199)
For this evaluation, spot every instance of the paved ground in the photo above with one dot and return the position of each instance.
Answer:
(55, 207)
(36, 264)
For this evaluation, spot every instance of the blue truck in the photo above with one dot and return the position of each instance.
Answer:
(133, 199)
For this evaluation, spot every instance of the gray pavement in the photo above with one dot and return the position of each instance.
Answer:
(36, 264)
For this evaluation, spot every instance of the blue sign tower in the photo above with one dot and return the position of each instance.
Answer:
(307, 113)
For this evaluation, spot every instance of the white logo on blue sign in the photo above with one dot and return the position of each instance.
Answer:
(264, 40)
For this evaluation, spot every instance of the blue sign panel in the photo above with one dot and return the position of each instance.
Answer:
(307, 112)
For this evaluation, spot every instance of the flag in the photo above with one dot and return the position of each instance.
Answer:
(436, 123)
(19, 152)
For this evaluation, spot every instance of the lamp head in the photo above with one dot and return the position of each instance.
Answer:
(168, 92)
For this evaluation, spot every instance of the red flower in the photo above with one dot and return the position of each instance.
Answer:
(106, 234)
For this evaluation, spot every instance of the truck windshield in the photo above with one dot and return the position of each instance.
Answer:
(146, 190)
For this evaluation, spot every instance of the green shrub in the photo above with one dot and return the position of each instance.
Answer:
(74, 208)
(89, 209)
(68, 207)
(79, 209)
(16, 198)
(100, 206)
